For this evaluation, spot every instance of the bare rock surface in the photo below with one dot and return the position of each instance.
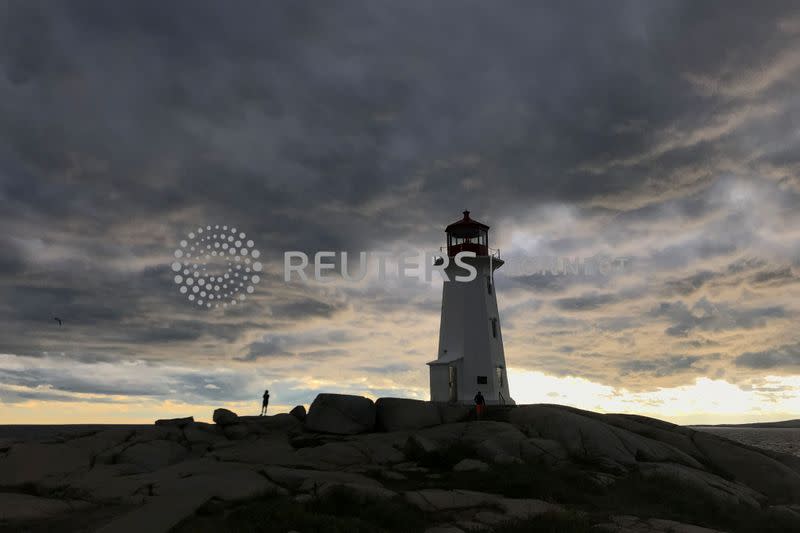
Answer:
(224, 417)
(153, 455)
(341, 414)
(470, 465)
(634, 524)
(722, 491)
(15, 506)
(299, 412)
(395, 414)
(177, 422)
(151, 478)
(592, 439)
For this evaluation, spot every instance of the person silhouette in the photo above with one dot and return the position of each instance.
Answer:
(265, 403)
(480, 405)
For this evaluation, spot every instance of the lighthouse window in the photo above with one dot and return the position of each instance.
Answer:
(489, 284)
(483, 380)
(494, 327)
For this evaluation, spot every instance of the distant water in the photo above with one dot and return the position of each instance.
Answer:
(786, 440)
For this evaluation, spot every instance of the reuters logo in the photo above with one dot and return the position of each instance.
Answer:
(216, 266)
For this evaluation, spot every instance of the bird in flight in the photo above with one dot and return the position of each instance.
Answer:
(57, 320)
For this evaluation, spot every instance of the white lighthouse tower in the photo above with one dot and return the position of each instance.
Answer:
(471, 356)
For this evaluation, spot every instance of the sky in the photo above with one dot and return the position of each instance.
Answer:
(663, 133)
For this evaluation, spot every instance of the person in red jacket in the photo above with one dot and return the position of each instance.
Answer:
(480, 405)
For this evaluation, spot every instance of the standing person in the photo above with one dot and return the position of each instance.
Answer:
(265, 403)
(480, 405)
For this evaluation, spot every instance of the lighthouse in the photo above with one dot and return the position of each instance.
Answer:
(470, 356)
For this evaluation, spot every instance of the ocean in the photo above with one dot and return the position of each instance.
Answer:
(786, 440)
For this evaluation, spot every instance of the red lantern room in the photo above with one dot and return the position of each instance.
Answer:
(467, 235)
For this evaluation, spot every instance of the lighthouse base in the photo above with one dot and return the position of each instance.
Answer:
(451, 384)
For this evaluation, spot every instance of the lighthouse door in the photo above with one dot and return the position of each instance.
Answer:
(453, 384)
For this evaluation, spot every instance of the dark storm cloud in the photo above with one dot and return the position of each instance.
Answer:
(689, 284)
(665, 366)
(392, 368)
(705, 315)
(586, 302)
(304, 308)
(301, 343)
(781, 357)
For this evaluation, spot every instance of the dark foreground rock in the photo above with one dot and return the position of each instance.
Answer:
(341, 414)
(395, 414)
(422, 471)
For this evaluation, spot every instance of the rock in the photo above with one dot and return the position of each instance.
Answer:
(470, 465)
(496, 442)
(588, 438)
(391, 475)
(263, 451)
(634, 524)
(299, 412)
(360, 493)
(410, 467)
(156, 433)
(224, 417)
(471, 526)
(758, 471)
(237, 431)
(444, 529)
(520, 509)
(724, 492)
(450, 413)
(341, 414)
(490, 517)
(418, 445)
(395, 414)
(181, 489)
(107, 483)
(203, 433)
(434, 500)
(153, 455)
(494, 451)
(177, 422)
(543, 450)
(32, 462)
(295, 478)
(15, 506)
(159, 515)
(262, 425)
(376, 449)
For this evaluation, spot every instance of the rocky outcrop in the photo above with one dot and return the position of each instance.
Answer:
(299, 412)
(224, 417)
(590, 439)
(341, 414)
(397, 414)
(634, 524)
(157, 476)
(177, 422)
(153, 455)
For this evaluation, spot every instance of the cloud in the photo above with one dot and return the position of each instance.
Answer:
(781, 357)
